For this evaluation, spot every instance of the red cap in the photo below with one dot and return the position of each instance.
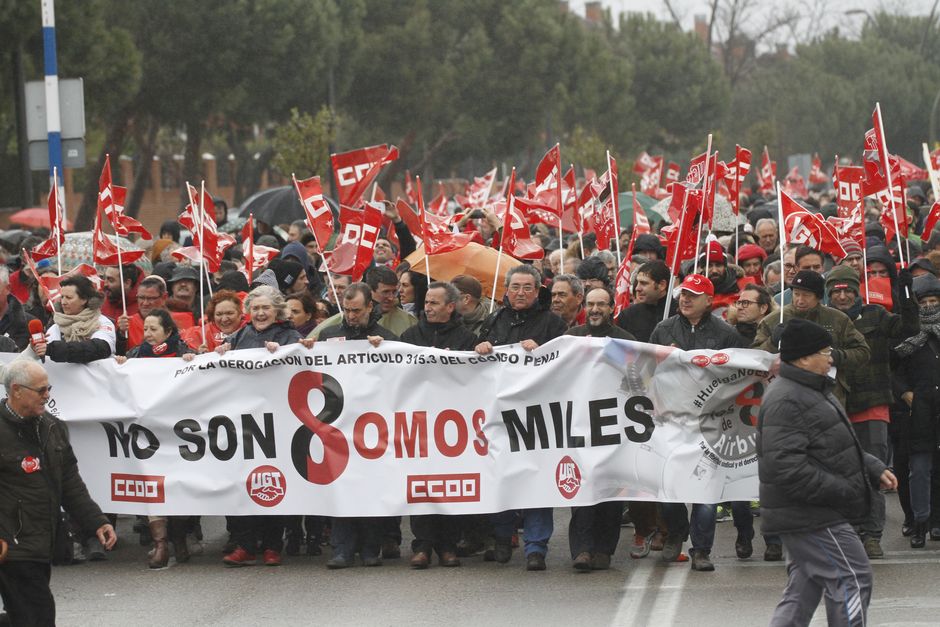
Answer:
(751, 251)
(714, 252)
(697, 284)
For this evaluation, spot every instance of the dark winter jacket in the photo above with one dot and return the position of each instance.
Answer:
(710, 333)
(247, 337)
(919, 373)
(346, 332)
(641, 318)
(870, 383)
(849, 349)
(452, 334)
(813, 472)
(30, 501)
(508, 326)
(15, 323)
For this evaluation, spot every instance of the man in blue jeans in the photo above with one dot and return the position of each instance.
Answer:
(527, 322)
(694, 328)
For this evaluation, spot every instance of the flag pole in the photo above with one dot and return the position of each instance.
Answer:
(499, 256)
(675, 254)
(894, 215)
(320, 246)
(202, 232)
(865, 272)
(704, 181)
(614, 208)
(783, 245)
(60, 220)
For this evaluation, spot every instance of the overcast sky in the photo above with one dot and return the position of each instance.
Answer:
(818, 15)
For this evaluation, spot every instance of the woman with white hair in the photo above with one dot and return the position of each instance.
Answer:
(269, 327)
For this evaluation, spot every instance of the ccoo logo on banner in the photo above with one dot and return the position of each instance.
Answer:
(347, 429)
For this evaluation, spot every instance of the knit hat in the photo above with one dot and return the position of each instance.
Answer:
(809, 281)
(801, 337)
(286, 272)
(921, 262)
(926, 285)
(593, 268)
(713, 252)
(851, 247)
(842, 277)
(751, 251)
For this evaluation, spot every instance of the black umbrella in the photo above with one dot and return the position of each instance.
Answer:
(279, 205)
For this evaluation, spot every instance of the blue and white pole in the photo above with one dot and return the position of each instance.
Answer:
(53, 120)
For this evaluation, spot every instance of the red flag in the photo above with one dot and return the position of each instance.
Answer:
(649, 180)
(479, 192)
(360, 230)
(850, 227)
(50, 247)
(49, 285)
(672, 172)
(816, 174)
(355, 170)
(931, 221)
(438, 238)
(935, 160)
(911, 172)
(438, 205)
(410, 195)
(584, 209)
(208, 244)
(767, 175)
(641, 226)
(737, 172)
(645, 162)
(545, 191)
(111, 200)
(255, 256)
(848, 183)
(319, 217)
(679, 237)
(516, 240)
(794, 184)
(804, 227)
(104, 251)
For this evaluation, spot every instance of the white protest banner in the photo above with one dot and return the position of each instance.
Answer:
(347, 429)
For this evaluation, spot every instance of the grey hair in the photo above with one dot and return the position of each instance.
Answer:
(769, 221)
(524, 269)
(605, 256)
(451, 293)
(577, 287)
(19, 372)
(276, 298)
(4, 275)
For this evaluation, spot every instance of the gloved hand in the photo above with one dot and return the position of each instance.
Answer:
(906, 279)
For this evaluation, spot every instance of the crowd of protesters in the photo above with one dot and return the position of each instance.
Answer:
(885, 351)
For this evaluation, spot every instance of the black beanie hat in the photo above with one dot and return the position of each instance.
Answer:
(801, 338)
(811, 282)
(286, 271)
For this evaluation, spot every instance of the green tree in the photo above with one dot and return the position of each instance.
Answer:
(302, 144)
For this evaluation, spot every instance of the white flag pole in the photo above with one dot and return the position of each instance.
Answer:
(202, 239)
(704, 182)
(614, 208)
(783, 247)
(60, 220)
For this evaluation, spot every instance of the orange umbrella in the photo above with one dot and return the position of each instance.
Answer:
(34, 217)
(474, 259)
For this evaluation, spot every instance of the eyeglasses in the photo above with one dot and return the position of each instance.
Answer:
(744, 303)
(528, 289)
(40, 391)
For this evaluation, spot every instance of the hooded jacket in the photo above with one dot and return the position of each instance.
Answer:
(813, 472)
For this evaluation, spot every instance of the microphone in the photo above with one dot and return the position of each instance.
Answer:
(36, 335)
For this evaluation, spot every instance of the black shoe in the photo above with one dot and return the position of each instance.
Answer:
(907, 528)
(672, 549)
(503, 552)
(702, 562)
(390, 550)
(935, 532)
(582, 562)
(535, 561)
(313, 548)
(338, 562)
(373, 561)
(743, 547)
(773, 553)
(919, 537)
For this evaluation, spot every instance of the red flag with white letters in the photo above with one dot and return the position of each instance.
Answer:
(355, 170)
(805, 227)
(319, 217)
(360, 229)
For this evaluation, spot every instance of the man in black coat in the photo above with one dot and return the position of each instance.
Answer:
(649, 301)
(815, 480)
(360, 322)
(594, 530)
(439, 326)
(38, 474)
(526, 322)
(694, 328)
